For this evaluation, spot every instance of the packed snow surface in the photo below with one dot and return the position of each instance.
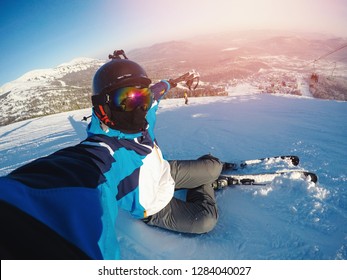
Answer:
(288, 219)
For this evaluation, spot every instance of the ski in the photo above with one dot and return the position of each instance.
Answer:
(262, 178)
(290, 159)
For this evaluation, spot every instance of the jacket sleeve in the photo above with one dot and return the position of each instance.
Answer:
(160, 89)
(70, 193)
(78, 166)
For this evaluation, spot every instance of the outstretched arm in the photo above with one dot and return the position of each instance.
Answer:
(161, 88)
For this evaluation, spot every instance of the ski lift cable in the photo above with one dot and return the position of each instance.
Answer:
(325, 55)
(329, 53)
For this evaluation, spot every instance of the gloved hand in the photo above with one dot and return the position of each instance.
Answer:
(172, 83)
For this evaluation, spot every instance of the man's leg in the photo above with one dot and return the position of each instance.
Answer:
(198, 214)
(189, 174)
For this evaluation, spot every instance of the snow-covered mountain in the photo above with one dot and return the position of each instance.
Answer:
(289, 219)
(271, 62)
(48, 91)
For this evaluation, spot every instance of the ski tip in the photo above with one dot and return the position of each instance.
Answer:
(295, 160)
(312, 177)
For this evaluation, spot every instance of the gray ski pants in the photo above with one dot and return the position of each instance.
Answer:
(198, 213)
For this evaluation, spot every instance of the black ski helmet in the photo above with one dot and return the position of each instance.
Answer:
(115, 74)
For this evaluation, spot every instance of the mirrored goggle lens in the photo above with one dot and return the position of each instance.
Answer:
(130, 98)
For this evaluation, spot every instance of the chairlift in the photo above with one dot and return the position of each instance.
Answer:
(314, 77)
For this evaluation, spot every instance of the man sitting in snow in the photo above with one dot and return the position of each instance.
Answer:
(64, 206)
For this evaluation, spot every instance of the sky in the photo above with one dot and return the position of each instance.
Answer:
(40, 34)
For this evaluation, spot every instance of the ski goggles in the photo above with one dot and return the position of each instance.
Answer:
(129, 98)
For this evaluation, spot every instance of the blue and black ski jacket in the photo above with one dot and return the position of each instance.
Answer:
(74, 193)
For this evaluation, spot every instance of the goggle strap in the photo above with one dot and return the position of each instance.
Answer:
(101, 114)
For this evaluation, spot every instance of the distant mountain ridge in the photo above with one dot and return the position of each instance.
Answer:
(270, 62)
(48, 91)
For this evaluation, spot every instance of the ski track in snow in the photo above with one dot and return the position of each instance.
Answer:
(289, 219)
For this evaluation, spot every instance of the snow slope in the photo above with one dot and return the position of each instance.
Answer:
(290, 219)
